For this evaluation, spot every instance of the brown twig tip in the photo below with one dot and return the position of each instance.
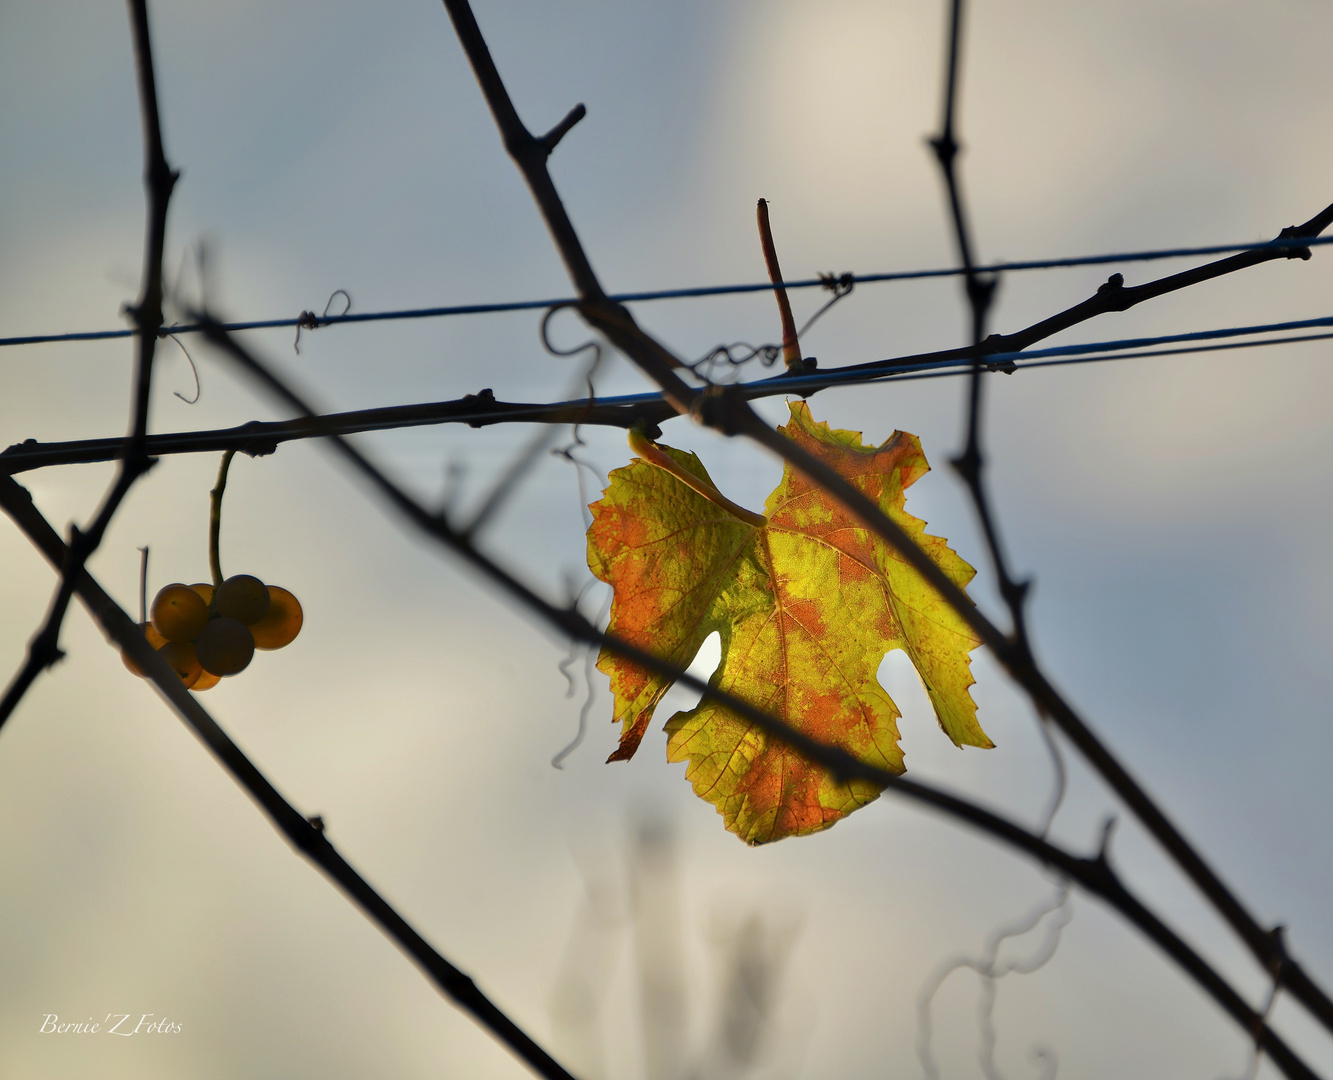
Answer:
(791, 346)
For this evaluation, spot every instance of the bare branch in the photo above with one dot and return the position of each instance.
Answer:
(257, 438)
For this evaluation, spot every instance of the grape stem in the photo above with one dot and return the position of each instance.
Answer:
(143, 584)
(215, 518)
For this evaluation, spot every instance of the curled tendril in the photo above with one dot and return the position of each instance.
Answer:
(742, 352)
(555, 350)
(990, 969)
(525, 459)
(589, 659)
(594, 365)
(308, 320)
(567, 452)
(734, 355)
(194, 369)
(1059, 779)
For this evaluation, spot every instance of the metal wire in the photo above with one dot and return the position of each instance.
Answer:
(683, 294)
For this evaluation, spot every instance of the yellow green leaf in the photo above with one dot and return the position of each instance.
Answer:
(806, 606)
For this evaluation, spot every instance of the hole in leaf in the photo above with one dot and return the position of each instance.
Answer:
(682, 698)
(899, 678)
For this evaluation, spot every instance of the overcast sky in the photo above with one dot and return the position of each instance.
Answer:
(1173, 512)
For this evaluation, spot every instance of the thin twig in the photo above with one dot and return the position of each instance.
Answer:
(980, 292)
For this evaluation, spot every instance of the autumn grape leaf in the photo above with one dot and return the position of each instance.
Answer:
(806, 605)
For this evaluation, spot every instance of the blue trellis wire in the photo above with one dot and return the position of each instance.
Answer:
(1080, 353)
(1090, 352)
(679, 294)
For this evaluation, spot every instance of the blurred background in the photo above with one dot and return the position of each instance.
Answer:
(1173, 512)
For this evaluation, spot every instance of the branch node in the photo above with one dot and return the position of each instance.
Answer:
(1296, 232)
(945, 147)
(968, 465)
(256, 446)
(647, 425)
(1279, 957)
(551, 139)
(718, 407)
(47, 653)
(1104, 848)
(981, 290)
(480, 400)
(1015, 593)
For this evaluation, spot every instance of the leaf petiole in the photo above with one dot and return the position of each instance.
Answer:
(654, 455)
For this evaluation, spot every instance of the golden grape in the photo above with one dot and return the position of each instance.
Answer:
(155, 639)
(225, 646)
(282, 623)
(206, 681)
(242, 597)
(181, 656)
(178, 612)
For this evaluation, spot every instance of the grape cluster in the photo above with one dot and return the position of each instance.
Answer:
(205, 633)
